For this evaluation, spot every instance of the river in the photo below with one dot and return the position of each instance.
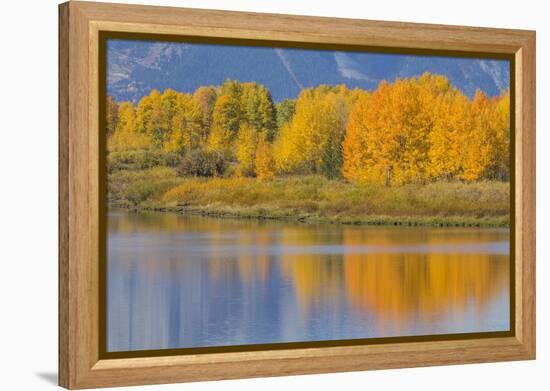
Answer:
(176, 281)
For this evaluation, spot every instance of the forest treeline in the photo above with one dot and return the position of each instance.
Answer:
(415, 130)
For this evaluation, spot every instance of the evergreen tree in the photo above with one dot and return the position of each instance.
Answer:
(333, 157)
(227, 114)
(206, 98)
(285, 111)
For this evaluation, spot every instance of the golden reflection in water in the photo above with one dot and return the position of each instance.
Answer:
(399, 286)
(314, 276)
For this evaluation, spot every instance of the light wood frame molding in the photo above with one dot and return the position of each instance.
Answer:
(79, 25)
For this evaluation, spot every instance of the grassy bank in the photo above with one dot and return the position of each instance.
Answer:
(314, 199)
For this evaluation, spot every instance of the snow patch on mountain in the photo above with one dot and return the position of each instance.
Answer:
(493, 70)
(286, 63)
(136, 67)
(348, 67)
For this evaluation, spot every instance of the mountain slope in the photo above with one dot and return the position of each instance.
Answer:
(134, 68)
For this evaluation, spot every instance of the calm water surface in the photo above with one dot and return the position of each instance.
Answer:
(190, 281)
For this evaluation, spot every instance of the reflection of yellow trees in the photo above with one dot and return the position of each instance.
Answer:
(248, 265)
(396, 285)
(313, 276)
(253, 267)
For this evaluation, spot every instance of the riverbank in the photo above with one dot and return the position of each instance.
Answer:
(314, 199)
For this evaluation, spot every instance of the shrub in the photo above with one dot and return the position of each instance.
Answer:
(139, 192)
(141, 159)
(137, 186)
(202, 163)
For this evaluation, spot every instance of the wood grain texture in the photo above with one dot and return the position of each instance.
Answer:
(63, 178)
(526, 193)
(79, 157)
(170, 20)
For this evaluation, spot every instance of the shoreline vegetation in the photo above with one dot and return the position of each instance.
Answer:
(313, 199)
(415, 152)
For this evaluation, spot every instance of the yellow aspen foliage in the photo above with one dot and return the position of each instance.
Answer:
(357, 158)
(220, 140)
(163, 115)
(185, 131)
(285, 150)
(226, 119)
(501, 120)
(452, 122)
(245, 150)
(417, 130)
(320, 114)
(126, 136)
(264, 162)
(410, 131)
(480, 144)
(149, 117)
(417, 99)
(395, 131)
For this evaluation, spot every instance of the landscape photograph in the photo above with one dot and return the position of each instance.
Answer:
(261, 195)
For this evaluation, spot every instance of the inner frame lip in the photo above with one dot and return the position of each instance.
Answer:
(105, 35)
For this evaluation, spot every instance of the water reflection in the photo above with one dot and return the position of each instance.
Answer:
(190, 281)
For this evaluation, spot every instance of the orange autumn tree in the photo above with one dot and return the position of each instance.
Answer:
(357, 156)
(485, 146)
(470, 139)
(416, 130)
(391, 131)
(453, 121)
(477, 151)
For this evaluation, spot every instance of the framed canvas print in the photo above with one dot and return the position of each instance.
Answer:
(248, 195)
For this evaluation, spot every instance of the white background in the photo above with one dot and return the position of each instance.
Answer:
(28, 194)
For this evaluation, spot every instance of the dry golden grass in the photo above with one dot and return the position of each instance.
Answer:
(315, 198)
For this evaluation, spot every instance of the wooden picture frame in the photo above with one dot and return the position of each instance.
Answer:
(80, 25)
